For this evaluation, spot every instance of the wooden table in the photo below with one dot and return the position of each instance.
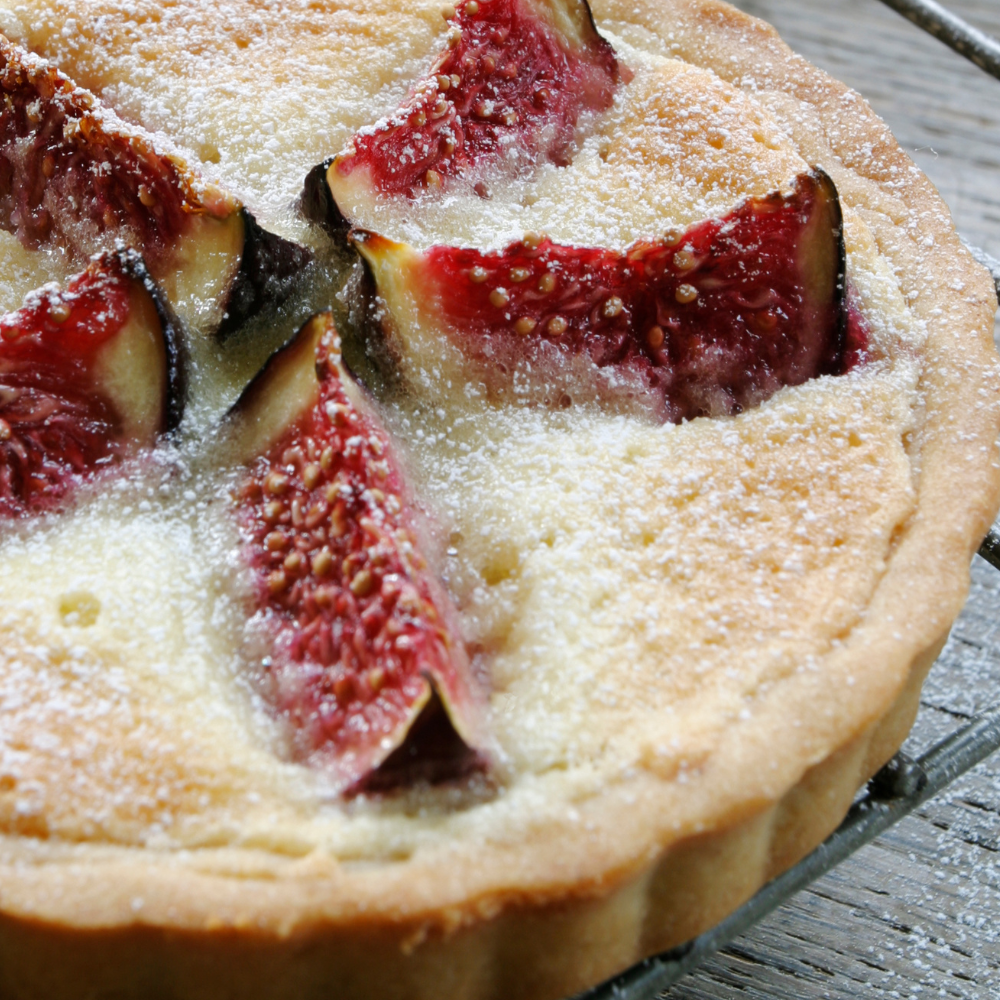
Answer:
(917, 913)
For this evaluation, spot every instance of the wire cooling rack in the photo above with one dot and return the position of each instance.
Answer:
(904, 783)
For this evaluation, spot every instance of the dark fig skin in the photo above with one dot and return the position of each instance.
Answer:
(270, 271)
(363, 659)
(432, 753)
(318, 205)
(134, 266)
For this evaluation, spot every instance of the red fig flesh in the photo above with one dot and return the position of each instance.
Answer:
(88, 376)
(507, 92)
(709, 321)
(73, 175)
(360, 634)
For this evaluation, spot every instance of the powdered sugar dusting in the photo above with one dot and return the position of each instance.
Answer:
(25, 270)
(592, 554)
(678, 146)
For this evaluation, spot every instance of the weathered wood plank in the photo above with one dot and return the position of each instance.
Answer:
(917, 913)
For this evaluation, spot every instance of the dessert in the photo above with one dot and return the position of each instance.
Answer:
(686, 642)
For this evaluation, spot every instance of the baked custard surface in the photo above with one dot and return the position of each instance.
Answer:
(699, 638)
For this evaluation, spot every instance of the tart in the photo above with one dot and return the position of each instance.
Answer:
(661, 617)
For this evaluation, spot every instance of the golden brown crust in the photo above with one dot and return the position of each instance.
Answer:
(591, 894)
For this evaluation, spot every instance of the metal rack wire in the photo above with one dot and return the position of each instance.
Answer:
(903, 784)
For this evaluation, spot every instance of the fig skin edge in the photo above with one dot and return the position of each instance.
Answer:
(134, 266)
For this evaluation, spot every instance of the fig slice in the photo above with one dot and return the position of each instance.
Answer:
(361, 644)
(707, 321)
(506, 92)
(73, 175)
(89, 376)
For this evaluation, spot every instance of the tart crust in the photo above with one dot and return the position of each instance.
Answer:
(651, 860)
(310, 931)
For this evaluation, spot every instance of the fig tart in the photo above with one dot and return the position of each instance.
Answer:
(480, 488)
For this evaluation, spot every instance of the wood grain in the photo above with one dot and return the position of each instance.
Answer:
(917, 913)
